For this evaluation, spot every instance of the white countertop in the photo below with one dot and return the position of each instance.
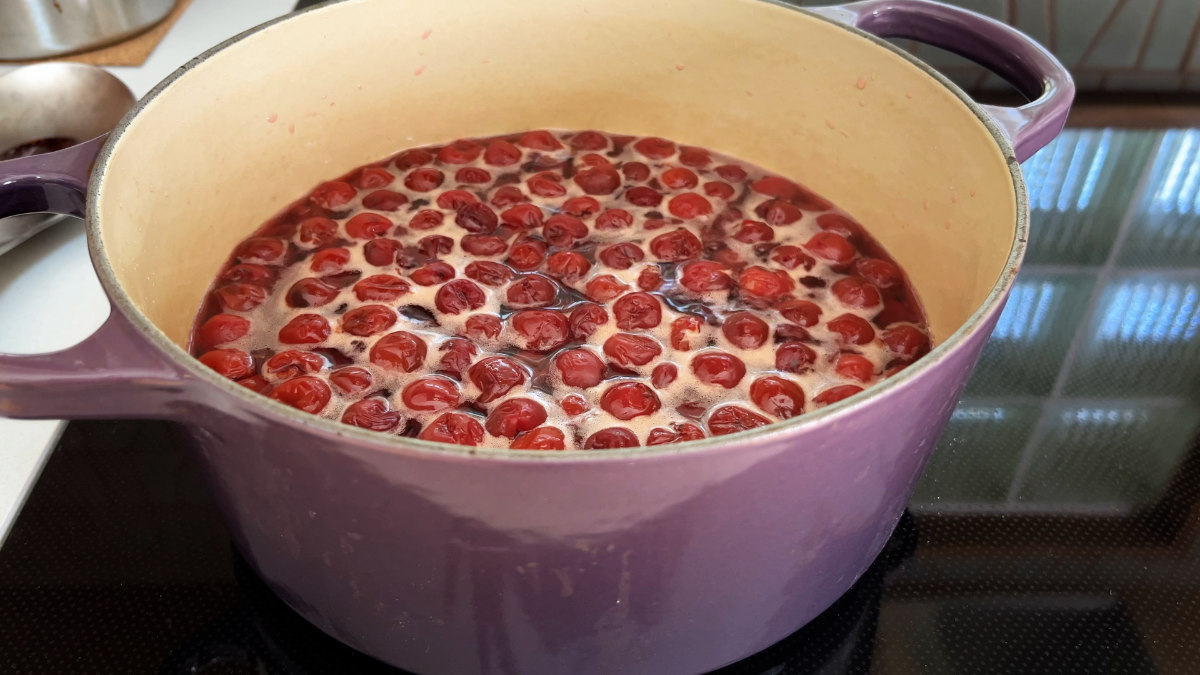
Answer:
(50, 276)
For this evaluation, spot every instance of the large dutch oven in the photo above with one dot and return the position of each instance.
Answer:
(439, 558)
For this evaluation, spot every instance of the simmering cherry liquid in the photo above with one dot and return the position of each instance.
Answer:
(560, 289)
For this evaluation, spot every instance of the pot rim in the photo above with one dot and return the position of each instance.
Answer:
(337, 431)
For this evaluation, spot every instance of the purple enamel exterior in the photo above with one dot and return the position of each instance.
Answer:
(585, 563)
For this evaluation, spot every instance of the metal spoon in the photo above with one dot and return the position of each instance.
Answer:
(70, 101)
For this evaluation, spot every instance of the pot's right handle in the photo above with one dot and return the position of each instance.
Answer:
(997, 46)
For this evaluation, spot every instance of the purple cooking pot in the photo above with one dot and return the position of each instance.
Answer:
(440, 558)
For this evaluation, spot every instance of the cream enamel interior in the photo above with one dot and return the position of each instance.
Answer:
(251, 128)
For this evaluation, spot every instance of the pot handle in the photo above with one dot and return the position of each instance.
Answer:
(113, 372)
(1004, 50)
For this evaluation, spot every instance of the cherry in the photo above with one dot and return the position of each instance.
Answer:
(650, 279)
(368, 320)
(581, 207)
(472, 174)
(411, 158)
(574, 404)
(434, 245)
(676, 246)
(682, 330)
(792, 257)
(350, 380)
(495, 376)
(731, 172)
(545, 187)
(777, 396)
(585, 318)
(457, 357)
(458, 296)
(477, 218)
(834, 394)
(855, 367)
(718, 189)
(631, 350)
(788, 332)
(541, 438)
(831, 246)
(256, 384)
(853, 329)
(455, 428)
(318, 232)
(532, 290)
(627, 400)
(523, 216)
(754, 232)
(307, 394)
(567, 266)
(501, 153)
(368, 225)
(605, 287)
(689, 205)
(611, 438)
(856, 292)
(598, 180)
(310, 292)
(718, 369)
(527, 254)
(745, 330)
(377, 252)
(331, 195)
(506, 196)
(580, 368)
(763, 283)
(679, 178)
(774, 186)
(778, 212)
(483, 327)
(241, 297)
(380, 288)
(400, 350)
(730, 419)
(802, 312)
(794, 357)
(643, 196)
(384, 200)
(539, 140)
(635, 172)
(432, 274)
(453, 200)
(879, 272)
(305, 329)
(835, 222)
(424, 179)
(426, 219)
(654, 147)
(589, 140)
(372, 413)
(681, 433)
(488, 273)
(430, 394)
(543, 330)
(663, 375)
(614, 219)
(460, 152)
(906, 341)
(232, 363)
(637, 310)
(253, 274)
(704, 275)
(562, 230)
(260, 249)
(291, 363)
(515, 416)
(483, 244)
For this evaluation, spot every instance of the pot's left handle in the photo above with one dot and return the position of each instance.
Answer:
(997, 46)
(114, 372)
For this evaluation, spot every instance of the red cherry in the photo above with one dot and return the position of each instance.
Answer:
(495, 376)
(414, 157)
(754, 232)
(614, 219)
(318, 232)
(477, 218)
(787, 332)
(682, 330)
(834, 394)
(473, 174)
(457, 357)
(350, 380)
(545, 187)
(232, 363)
(256, 384)
(380, 288)
(426, 219)
(695, 157)
(879, 272)
(853, 329)
(292, 363)
(611, 438)
(488, 273)
(802, 312)
(681, 433)
(305, 329)
(718, 369)
(541, 438)
(539, 140)
(745, 330)
(635, 172)
(778, 212)
(679, 178)
(384, 200)
(378, 252)
(731, 172)
(532, 290)
(676, 246)
(663, 375)
(455, 428)
(574, 404)
(372, 413)
(483, 327)
(621, 256)
(241, 297)
(483, 244)
(718, 189)
(307, 394)
(763, 283)
(368, 320)
(855, 367)
(501, 153)
(689, 205)
(907, 342)
(309, 292)
(792, 257)
(794, 357)
(598, 180)
(627, 400)
(631, 350)
(835, 222)
(260, 250)
(637, 310)
(643, 196)
(777, 396)
(585, 319)
(581, 207)
(774, 186)
(855, 292)
(562, 230)
(654, 147)
(589, 140)
(430, 394)
(605, 287)
(831, 246)
(543, 330)
(424, 179)
(253, 274)
(507, 195)
(515, 416)
(650, 279)
(434, 245)
(331, 195)
(527, 254)
(400, 351)
(460, 152)
(704, 275)
(432, 274)
(458, 296)
(730, 419)
(580, 368)
(368, 226)
(567, 266)
(453, 200)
